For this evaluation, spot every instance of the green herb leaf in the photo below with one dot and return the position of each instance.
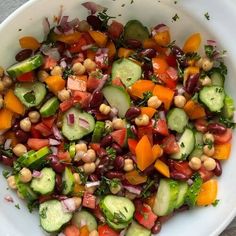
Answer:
(16, 167)
(105, 185)
(228, 123)
(111, 152)
(146, 96)
(175, 17)
(17, 206)
(30, 97)
(105, 18)
(209, 50)
(215, 203)
(32, 205)
(67, 72)
(6, 173)
(207, 16)
(146, 189)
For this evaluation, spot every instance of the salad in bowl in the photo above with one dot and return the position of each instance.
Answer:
(111, 128)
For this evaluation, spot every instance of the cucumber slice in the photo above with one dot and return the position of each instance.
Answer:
(228, 109)
(30, 94)
(117, 97)
(98, 131)
(134, 29)
(136, 229)
(127, 70)
(213, 97)
(193, 191)
(68, 181)
(46, 183)
(75, 131)
(25, 66)
(183, 188)
(23, 159)
(186, 145)
(217, 79)
(177, 120)
(117, 226)
(165, 200)
(50, 107)
(198, 149)
(117, 209)
(81, 217)
(72, 150)
(52, 216)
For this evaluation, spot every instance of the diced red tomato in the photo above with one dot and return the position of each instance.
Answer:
(223, 138)
(160, 126)
(132, 143)
(115, 29)
(35, 133)
(171, 60)
(82, 97)
(101, 60)
(49, 121)
(49, 63)
(43, 129)
(117, 82)
(205, 174)
(145, 216)
(66, 105)
(64, 156)
(183, 168)
(71, 230)
(27, 77)
(120, 136)
(173, 73)
(169, 82)
(95, 146)
(93, 83)
(170, 145)
(76, 84)
(89, 200)
(146, 130)
(36, 143)
(76, 47)
(105, 230)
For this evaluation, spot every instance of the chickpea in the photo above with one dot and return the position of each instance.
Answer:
(90, 156)
(79, 155)
(209, 164)
(78, 202)
(115, 189)
(195, 163)
(89, 168)
(142, 120)
(89, 65)
(206, 81)
(108, 125)
(25, 124)
(129, 165)
(203, 157)
(207, 64)
(179, 101)
(77, 178)
(78, 68)
(130, 196)
(1, 102)
(42, 75)
(11, 181)
(2, 87)
(84, 26)
(64, 95)
(25, 175)
(118, 123)
(81, 147)
(154, 102)
(104, 109)
(209, 150)
(19, 149)
(208, 137)
(7, 81)
(57, 70)
(94, 233)
(1, 72)
(34, 116)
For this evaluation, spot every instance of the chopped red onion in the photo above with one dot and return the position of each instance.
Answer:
(63, 64)
(54, 150)
(7, 143)
(114, 112)
(83, 123)
(9, 198)
(74, 22)
(68, 205)
(92, 184)
(86, 47)
(70, 119)
(93, 7)
(103, 80)
(189, 181)
(211, 42)
(133, 189)
(180, 90)
(102, 51)
(37, 174)
(54, 142)
(51, 52)
(57, 30)
(159, 29)
(162, 115)
(46, 26)
(56, 133)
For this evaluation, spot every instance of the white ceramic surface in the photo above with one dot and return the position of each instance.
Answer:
(200, 222)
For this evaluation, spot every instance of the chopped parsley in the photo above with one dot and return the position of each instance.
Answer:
(207, 16)
(111, 152)
(30, 97)
(81, 173)
(153, 78)
(104, 18)
(105, 185)
(16, 167)
(67, 72)
(132, 1)
(146, 189)
(209, 143)
(146, 96)
(175, 17)
(182, 145)
(209, 50)
(17, 206)
(215, 203)
(193, 56)
(43, 213)
(228, 123)
(6, 173)
(6, 152)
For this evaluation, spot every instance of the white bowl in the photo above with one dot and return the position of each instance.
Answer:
(27, 20)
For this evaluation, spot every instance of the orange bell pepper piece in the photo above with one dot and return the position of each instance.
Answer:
(208, 193)
(149, 111)
(99, 38)
(151, 43)
(78, 190)
(222, 151)
(55, 83)
(191, 70)
(162, 168)
(91, 54)
(144, 154)
(140, 87)
(159, 65)
(192, 44)
(124, 52)
(111, 49)
(194, 110)
(165, 94)
(29, 42)
(157, 151)
(84, 231)
(134, 178)
(11, 135)
(68, 38)
(12, 103)
(162, 38)
(6, 117)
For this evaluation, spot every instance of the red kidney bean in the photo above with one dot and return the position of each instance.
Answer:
(156, 228)
(96, 100)
(191, 83)
(163, 219)
(23, 54)
(133, 43)
(218, 170)
(106, 141)
(95, 22)
(56, 164)
(22, 136)
(148, 171)
(58, 183)
(178, 176)
(149, 52)
(16, 126)
(60, 47)
(147, 70)
(117, 148)
(132, 112)
(44, 198)
(216, 128)
(101, 152)
(201, 125)
(119, 162)
(93, 177)
(7, 161)
(115, 175)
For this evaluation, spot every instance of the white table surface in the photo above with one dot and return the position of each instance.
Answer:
(8, 6)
